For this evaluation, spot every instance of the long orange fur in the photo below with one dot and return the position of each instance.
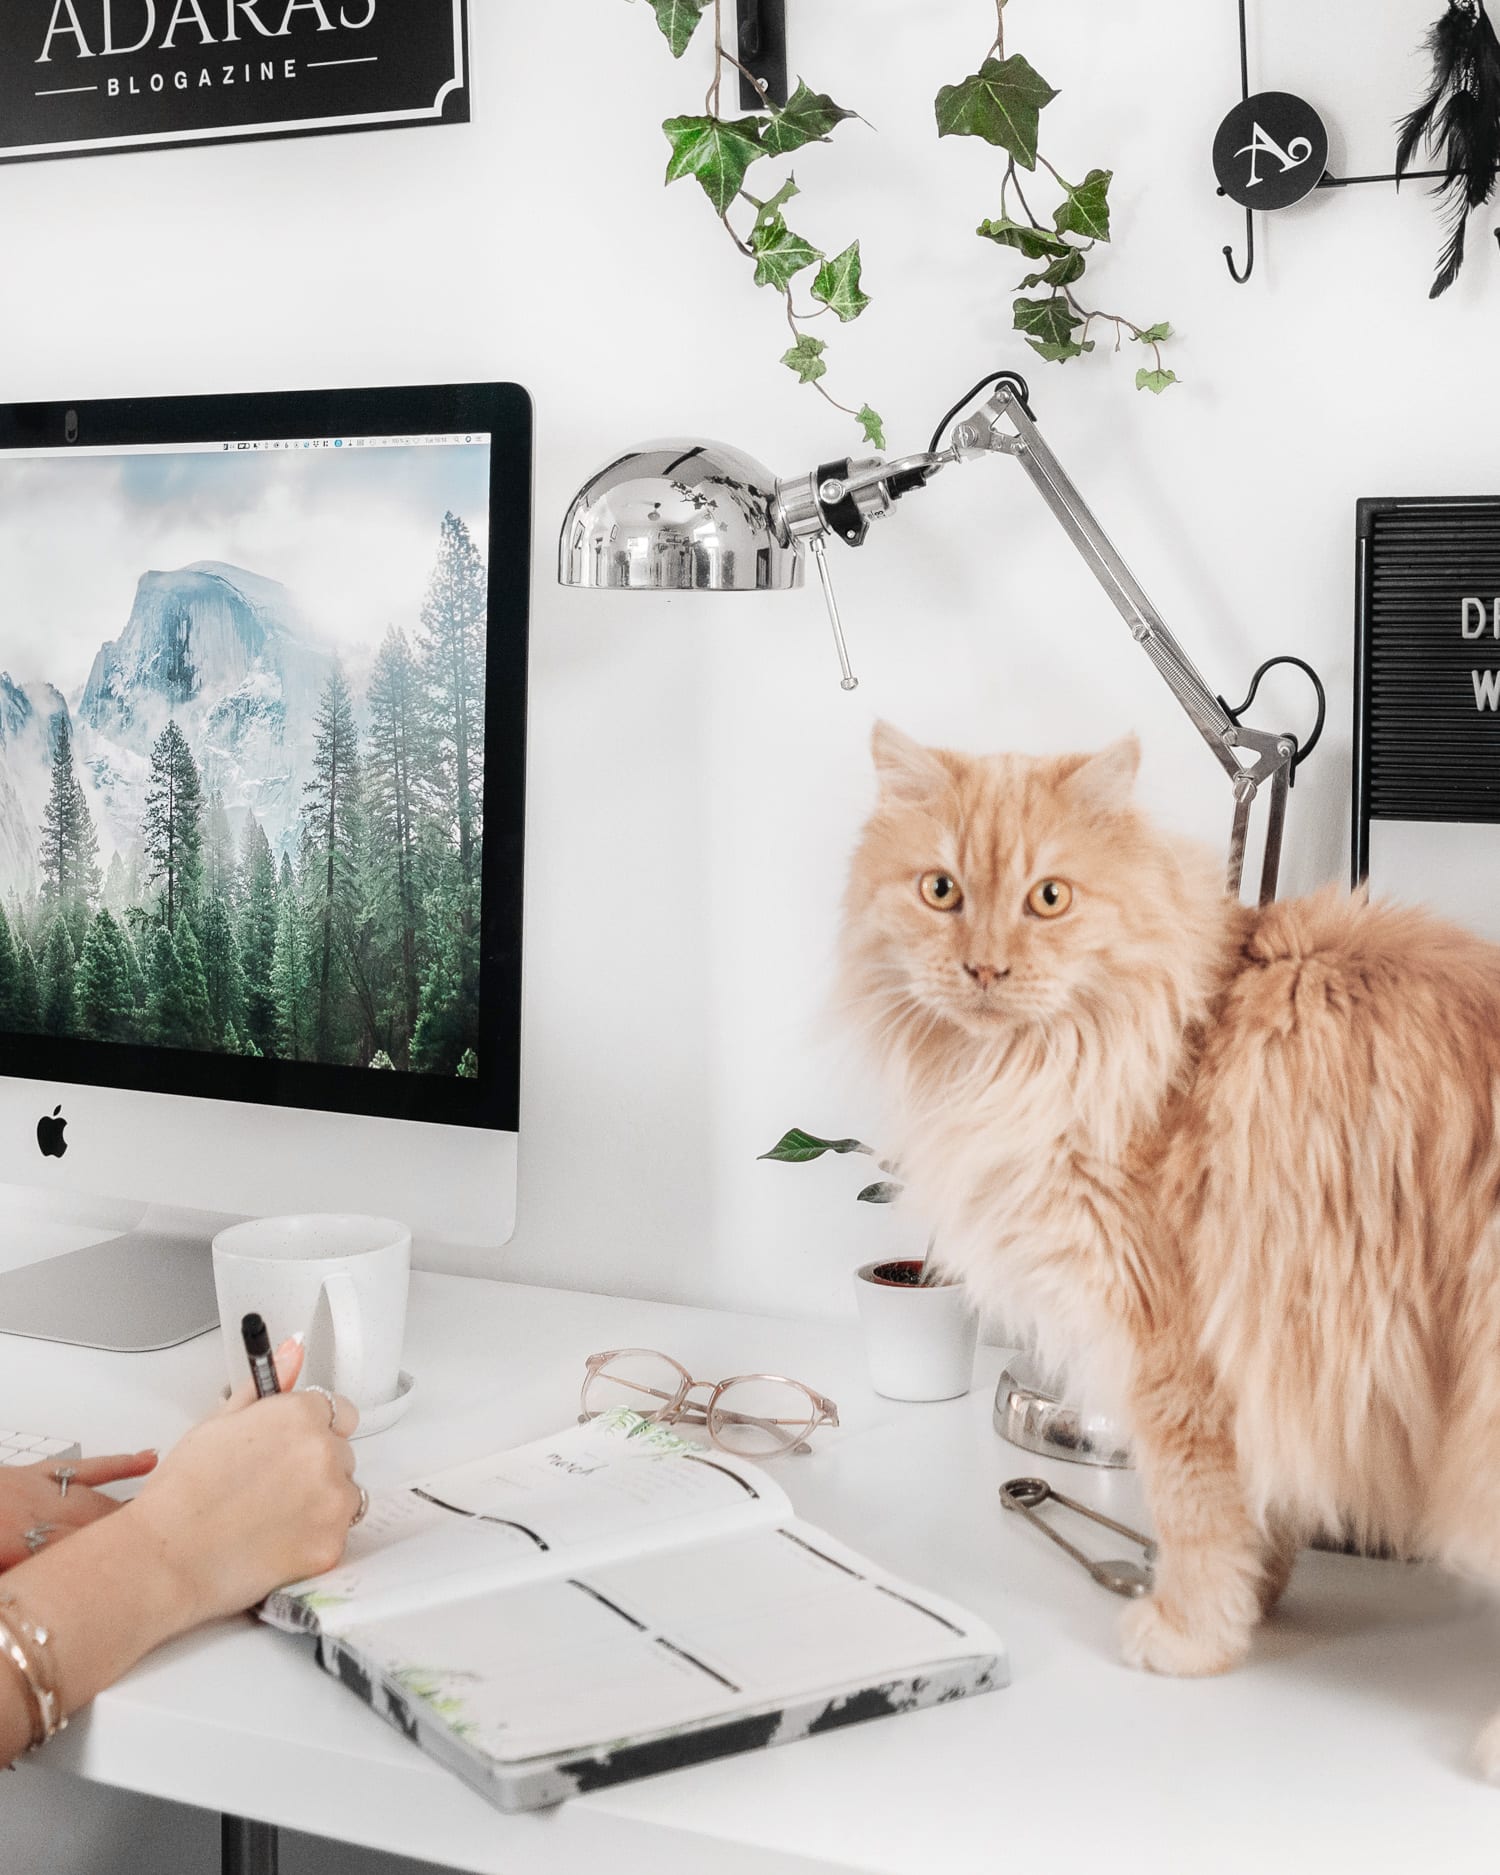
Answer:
(1236, 1173)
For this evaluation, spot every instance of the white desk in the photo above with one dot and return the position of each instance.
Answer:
(1342, 1745)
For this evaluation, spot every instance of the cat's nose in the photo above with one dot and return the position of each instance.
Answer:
(986, 974)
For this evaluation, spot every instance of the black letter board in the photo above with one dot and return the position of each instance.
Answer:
(1426, 664)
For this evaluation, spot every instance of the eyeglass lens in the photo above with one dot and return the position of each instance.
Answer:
(635, 1378)
(759, 1416)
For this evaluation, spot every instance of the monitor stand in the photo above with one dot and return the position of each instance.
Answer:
(141, 1288)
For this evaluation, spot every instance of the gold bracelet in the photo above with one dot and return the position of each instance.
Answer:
(27, 1646)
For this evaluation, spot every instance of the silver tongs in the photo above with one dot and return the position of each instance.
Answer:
(1119, 1576)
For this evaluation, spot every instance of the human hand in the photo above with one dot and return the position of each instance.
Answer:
(259, 1495)
(30, 1496)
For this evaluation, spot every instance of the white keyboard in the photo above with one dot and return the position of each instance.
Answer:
(30, 1448)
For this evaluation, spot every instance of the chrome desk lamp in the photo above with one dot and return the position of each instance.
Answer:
(692, 516)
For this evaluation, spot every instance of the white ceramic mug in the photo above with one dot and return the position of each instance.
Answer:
(919, 1342)
(340, 1281)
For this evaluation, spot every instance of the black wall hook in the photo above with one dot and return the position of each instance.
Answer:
(1234, 273)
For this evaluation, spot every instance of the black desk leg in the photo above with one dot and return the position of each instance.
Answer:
(248, 1848)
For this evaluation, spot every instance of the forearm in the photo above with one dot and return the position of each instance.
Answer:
(107, 1596)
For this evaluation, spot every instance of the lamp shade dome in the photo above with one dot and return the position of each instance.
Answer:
(678, 516)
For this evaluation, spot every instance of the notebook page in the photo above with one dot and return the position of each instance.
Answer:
(616, 1486)
(643, 1645)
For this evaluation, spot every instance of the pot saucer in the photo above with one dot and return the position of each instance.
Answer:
(375, 1419)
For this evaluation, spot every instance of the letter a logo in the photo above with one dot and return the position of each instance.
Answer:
(1292, 157)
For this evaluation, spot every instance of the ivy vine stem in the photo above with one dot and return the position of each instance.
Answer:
(1003, 103)
(718, 151)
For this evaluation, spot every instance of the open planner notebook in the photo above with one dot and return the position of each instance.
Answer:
(616, 1601)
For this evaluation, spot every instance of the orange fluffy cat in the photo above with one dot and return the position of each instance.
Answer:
(1237, 1171)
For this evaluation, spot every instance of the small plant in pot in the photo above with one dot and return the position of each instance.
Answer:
(920, 1331)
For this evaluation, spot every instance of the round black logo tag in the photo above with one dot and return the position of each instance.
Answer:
(1270, 151)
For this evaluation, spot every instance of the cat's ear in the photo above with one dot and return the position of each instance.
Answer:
(1104, 780)
(907, 771)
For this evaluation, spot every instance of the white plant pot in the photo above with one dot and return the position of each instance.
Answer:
(919, 1342)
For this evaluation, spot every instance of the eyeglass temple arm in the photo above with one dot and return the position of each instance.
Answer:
(1004, 426)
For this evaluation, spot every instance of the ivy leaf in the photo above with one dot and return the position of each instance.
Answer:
(770, 211)
(1002, 102)
(883, 1193)
(780, 254)
(796, 1147)
(806, 359)
(1047, 321)
(716, 151)
(806, 117)
(1086, 210)
(1060, 353)
(678, 20)
(1154, 335)
(1155, 380)
(873, 426)
(1064, 270)
(837, 284)
(1034, 243)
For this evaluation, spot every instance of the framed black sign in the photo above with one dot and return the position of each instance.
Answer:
(1426, 664)
(83, 77)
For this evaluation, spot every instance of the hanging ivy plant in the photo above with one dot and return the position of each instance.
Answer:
(721, 152)
(1003, 103)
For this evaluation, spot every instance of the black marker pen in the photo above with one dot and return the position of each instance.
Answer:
(258, 1348)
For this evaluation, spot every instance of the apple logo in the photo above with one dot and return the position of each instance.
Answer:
(49, 1134)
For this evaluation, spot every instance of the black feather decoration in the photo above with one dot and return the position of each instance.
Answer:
(1459, 120)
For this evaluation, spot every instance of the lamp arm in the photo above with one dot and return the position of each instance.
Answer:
(1023, 442)
(1250, 757)
(845, 498)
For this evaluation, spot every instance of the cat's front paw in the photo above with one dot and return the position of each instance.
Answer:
(1153, 1640)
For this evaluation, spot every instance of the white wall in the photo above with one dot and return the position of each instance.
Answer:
(696, 773)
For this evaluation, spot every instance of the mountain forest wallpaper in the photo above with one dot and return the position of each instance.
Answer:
(249, 835)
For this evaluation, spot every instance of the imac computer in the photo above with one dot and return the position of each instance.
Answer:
(262, 769)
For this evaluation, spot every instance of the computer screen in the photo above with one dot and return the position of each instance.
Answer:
(261, 730)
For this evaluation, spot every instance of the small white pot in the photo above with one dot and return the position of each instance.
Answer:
(919, 1342)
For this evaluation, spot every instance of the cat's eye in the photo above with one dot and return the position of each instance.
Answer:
(1049, 898)
(941, 891)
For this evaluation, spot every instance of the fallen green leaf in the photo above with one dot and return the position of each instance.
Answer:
(806, 117)
(837, 284)
(1156, 381)
(872, 425)
(1085, 212)
(1002, 102)
(714, 150)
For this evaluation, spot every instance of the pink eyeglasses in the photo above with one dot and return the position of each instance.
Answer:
(752, 1415)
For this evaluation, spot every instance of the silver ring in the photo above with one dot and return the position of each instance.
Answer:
(333, 1405)
(364, 1505)
(36, 1537)
(62, 1477)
